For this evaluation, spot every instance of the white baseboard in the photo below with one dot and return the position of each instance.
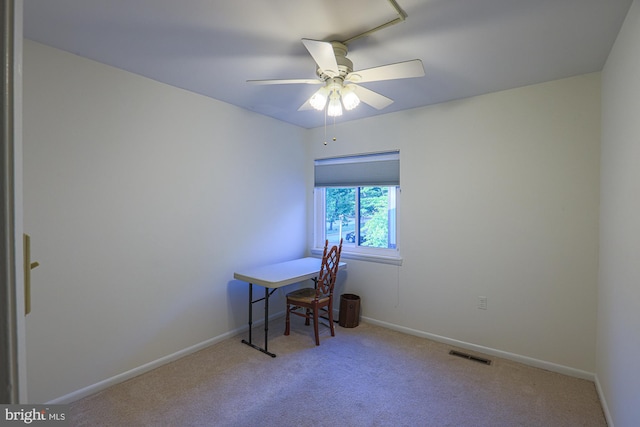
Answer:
(486, 350)
(102, 385)
(603, 402)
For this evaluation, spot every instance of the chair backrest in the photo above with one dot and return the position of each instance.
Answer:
(328, 269)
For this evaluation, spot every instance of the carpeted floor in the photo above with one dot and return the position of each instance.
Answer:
(364, 376)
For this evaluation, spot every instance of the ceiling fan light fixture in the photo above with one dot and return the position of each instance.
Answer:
(319, 99)
(335, 107)
(341, 87)
(349, 98)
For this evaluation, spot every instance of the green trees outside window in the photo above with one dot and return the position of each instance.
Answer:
(363, 216)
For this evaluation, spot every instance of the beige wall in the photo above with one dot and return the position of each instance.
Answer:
(619, 288)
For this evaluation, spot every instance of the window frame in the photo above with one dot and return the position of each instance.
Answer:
(364, 253)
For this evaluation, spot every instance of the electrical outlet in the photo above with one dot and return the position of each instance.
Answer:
(482, 303)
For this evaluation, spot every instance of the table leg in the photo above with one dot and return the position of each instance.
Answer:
(266, 320)
(250, 311)
(250, 342)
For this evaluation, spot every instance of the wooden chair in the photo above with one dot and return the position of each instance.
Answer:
(309, 302)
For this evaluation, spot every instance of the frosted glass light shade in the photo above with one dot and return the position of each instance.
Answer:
(319, 99)
(349, 98)
(335, 107)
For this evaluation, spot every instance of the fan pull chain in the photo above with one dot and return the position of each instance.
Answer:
(325, 125)
(334, 129)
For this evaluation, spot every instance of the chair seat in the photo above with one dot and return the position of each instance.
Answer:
(305, 295)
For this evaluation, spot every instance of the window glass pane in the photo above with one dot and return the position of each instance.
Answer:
(363, 216)
(377, 217)
(340, 214)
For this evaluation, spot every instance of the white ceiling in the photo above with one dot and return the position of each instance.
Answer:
(468, 47)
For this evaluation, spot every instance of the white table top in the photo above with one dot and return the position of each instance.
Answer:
(283, 273)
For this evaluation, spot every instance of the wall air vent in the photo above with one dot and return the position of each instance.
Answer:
(470, 357)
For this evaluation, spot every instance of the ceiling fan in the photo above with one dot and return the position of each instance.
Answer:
(335, 73)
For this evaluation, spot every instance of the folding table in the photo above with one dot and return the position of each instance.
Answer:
(272, 277)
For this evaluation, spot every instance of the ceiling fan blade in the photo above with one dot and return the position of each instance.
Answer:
(322, 53)
(372, 98)
(306, 106)
(285, 82)
(401, 70)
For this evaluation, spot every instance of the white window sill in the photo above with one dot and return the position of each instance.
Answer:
(381, 259)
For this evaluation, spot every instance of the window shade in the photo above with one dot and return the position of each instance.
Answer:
(380, 169)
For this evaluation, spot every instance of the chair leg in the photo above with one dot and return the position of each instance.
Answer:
(315, 325)
(333, 333)
(286, 322)
(306, 321)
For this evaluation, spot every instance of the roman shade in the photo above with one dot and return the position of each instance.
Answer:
(367, 170)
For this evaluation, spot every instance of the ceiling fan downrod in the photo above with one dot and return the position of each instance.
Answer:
(401, 17)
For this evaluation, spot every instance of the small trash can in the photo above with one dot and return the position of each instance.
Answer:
(349, 310)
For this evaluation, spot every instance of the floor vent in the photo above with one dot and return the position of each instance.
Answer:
(470, 357)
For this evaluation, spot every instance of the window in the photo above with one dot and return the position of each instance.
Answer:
(356, 198)
(364, 216)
